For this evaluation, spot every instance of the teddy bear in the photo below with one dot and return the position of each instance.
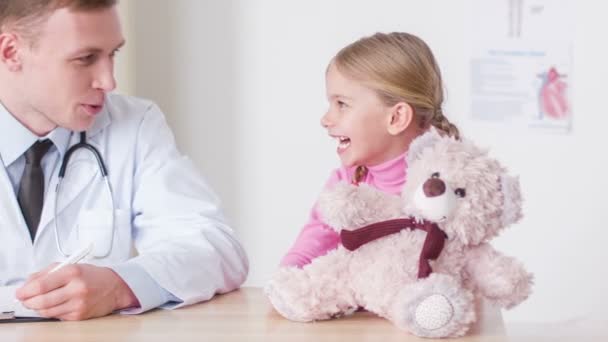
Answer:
(421, 259)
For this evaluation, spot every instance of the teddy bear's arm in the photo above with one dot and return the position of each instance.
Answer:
(347, 206)
(497, 277)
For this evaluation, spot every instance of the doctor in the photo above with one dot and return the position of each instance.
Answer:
(56, 72)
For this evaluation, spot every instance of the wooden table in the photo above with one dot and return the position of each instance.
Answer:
(246, 315)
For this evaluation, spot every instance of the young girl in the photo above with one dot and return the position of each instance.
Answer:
(383, 92)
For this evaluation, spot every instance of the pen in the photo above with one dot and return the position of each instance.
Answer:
(75, 257)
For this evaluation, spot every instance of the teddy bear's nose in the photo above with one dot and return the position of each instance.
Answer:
(433, 187)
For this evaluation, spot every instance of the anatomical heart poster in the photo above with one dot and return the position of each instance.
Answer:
(521, 63)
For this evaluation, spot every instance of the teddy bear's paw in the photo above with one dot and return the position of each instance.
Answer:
(338, 206)
(304, 309)
(510, 284)
(434, 312)
(346, 206)
(280, 302)
(518, 291)
(435, 307)
(289, 292)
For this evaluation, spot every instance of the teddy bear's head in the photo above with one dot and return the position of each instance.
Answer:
(459, 186)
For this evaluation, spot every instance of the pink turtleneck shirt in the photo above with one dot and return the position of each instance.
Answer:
(317, 238)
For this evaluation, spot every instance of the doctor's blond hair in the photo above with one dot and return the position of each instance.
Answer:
(399, 67)
(25, 16)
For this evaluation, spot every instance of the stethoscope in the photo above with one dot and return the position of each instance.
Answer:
(104, 173)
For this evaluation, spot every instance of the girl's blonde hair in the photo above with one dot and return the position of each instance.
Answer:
(399, 67)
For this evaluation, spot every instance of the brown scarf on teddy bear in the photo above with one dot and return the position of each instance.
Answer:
(433, 244)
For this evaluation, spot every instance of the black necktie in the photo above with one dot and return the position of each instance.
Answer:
(31, 188)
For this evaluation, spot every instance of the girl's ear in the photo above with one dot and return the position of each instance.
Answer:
(401, 116)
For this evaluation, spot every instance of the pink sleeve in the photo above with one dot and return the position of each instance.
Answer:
(316, 238)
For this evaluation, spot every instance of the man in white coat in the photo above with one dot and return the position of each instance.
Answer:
(56, 72)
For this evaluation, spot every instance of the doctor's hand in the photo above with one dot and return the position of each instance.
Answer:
(76, 292)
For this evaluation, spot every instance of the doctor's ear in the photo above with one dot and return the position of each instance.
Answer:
(400, 117)
(9, 51)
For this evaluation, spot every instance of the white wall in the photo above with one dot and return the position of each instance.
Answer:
(125, 60)
(242, 85)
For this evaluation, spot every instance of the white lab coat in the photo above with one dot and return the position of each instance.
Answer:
(163, 208)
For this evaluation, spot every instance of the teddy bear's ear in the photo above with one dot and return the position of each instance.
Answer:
(428, 139)
(511, 211)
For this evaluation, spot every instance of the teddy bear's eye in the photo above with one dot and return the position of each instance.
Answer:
(435, 175)
(460, 192)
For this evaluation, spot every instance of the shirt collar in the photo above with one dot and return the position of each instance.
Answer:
(16, 138)
(390, 174)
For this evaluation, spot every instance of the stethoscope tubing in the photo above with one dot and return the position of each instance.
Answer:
(104, 173)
